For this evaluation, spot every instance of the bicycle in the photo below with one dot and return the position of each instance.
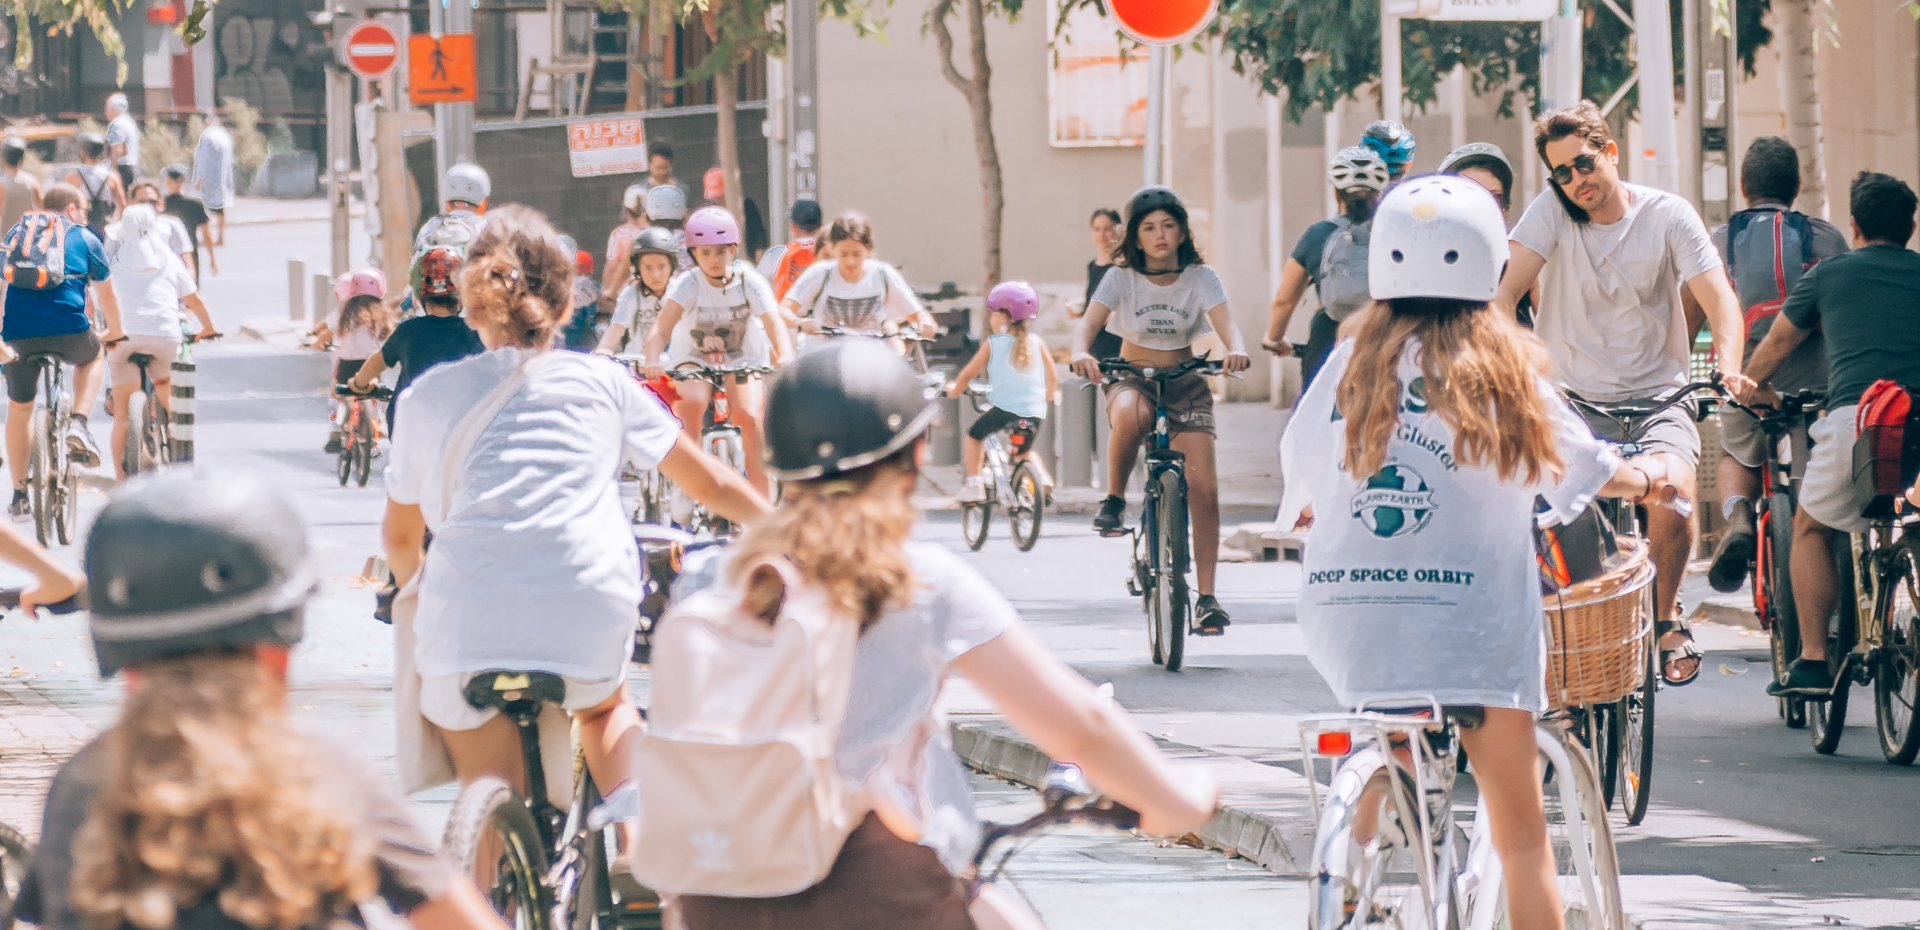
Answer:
(651, 504)
(16, 856)
(542, 868)
(719, 437)
(1879, 572)
(149, 443)
(1008, 469)
(1397, 770)
(1161, 548)
(1066, 799)
(53, 481)
(359, 431)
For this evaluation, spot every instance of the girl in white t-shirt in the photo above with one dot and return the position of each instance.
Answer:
(1418, 454)
(1159, 298)
(152, 283)
(720, 313)
(651, 264)
(853, 292)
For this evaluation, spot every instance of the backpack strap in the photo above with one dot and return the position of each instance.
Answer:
(466, 433)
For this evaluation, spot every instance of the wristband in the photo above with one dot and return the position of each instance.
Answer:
(1644, 477)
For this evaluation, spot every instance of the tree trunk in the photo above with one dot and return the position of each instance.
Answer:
(1800, 100)
(726, 94)
(980, 102)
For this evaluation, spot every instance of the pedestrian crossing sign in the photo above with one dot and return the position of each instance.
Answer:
(440, 69)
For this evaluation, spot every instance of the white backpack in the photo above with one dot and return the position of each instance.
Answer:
(739, 794)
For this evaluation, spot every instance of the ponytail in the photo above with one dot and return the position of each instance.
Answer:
(1022, 355)
(517, 279)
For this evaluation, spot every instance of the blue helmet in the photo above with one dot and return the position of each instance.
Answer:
(1392, 142)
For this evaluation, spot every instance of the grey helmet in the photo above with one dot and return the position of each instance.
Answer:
(1155, 197)
(653, 240)
(666, 202)
(188, 562)
(843, 406)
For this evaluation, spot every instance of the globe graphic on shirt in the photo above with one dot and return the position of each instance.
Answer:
(1394, 502)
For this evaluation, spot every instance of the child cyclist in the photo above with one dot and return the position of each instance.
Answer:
(355, 334)
(419, 343)
(1020, 372)
(1159, 298)
(652, 261)
(1421, 448)
(721, 312)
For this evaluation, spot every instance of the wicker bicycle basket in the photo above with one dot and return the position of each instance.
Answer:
(1597, 632)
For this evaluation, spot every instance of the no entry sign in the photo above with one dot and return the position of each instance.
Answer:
(1162, 22)
(372, 49)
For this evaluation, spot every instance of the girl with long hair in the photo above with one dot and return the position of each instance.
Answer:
(653, 262)
(1020, 378)
(855, 291)
(355, 334)
(1417, 456)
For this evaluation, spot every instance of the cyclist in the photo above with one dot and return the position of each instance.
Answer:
(1863, 301)
(55, 322)
(1332, 256)
(848, 424)
(855, 291)
(1160, 297)
(722, 313)
(205, 806)
(151, 283)
(106, 194)
(584, 327)
(633, 220)
(783, 264)
(123, 140)
(1392, 142)
(145, 192)
(356, 335)
(526, 518)
(417, 344)
(1611, 259)
(1487, 165)
(655, 256)
(1767, 248)
(1020, 372)
(667, 209)
(464, 193)
(1420, 487)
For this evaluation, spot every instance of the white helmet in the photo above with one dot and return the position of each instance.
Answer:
(1437, 236)
(666, 202)
(635, 199)
(466, 182)
(1357, 166)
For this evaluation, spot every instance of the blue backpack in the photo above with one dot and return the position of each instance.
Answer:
(1766, 248)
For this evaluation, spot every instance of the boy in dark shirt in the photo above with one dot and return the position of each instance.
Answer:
(192, 214)
(419, 344)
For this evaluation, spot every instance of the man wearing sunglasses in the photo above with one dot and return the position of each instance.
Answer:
(1613, 260)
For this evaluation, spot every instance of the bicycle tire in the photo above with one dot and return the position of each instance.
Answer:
(160, 435)
(16, 856)
(133, 454)
(975, 520)
(1896, 672)
(510, 878)
(1585, 825)
(1636, 717)
(1026, 506)
(1172, 607)
(1348, 873)
(1774, 563)
(363, 449)
(345, 465)
(66, 517)
(1827, 720)
(40, 496)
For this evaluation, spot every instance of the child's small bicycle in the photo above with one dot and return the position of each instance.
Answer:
(1011, 481)
(359, 432)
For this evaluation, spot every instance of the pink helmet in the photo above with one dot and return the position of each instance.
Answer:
(368, 281)
(1017, 299)
(712, 226)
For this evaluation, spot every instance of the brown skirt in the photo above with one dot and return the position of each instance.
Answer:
(879, 882)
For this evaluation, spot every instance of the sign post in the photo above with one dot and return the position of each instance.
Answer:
(1160, 24)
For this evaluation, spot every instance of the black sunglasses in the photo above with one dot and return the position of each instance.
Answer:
(1582, 163)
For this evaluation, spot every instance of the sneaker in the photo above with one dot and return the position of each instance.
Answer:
(80, 444)
(1112, 515)
(334, 443)
(1734, 556)
(1209, 617)
(1808, 679)
(21, 508)
(973, 492)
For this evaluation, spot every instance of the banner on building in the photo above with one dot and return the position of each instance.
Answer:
(1097, 83)
(607, 146)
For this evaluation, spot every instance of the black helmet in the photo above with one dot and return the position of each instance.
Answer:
(655, 240)
(189, 562)
(1158, 197)
(92, 144)
(844, 405)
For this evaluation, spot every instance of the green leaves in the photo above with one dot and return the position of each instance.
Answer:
(60, 16)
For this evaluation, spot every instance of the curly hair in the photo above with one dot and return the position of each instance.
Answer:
(208, 790)
(517, 278)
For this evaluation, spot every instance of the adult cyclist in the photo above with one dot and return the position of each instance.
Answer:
(1332, 256)
(1612, 258)
(1392, 142)
(633, 220)
(667, 209)
(464, 193)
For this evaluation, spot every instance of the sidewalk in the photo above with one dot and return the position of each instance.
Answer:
(255, 211)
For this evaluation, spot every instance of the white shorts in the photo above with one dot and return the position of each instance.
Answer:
(443, 699)
(1829, 492)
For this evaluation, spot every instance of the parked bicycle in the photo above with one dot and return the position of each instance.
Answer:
(1878, 573)
(719, 437)
(53, 481)
(1162, 551)
(150, 442)
(360, 431)
(1011, 482)
(1389, 813)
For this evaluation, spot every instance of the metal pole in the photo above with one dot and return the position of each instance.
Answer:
(1560, 58)
(1653, 34)
(1391, 91)
(1156, 115)
(339, 162)
(1711, 102)
(775, 128)
(803, 27)
(459, 18)
(1276, 249)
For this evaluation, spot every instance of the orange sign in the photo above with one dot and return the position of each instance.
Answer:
(607, 146)
(440, 69)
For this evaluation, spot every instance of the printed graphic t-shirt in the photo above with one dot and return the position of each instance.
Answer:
(1420, 578)
(728, 313)
(1155, 317)
(881, 295)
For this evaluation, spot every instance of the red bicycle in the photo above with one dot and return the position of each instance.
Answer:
(360, 432)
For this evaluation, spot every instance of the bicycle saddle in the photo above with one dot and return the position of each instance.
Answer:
(141, 359)
(502, 690)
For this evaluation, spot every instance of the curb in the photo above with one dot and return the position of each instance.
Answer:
(1731, 610)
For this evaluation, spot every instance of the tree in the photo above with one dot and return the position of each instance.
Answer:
(1800, 99)
(977, 89)
(60, 16)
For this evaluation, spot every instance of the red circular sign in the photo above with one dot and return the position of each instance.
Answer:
(372, 49)
(1162, 22)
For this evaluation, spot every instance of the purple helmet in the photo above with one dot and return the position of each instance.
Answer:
(1017, 299)
(712, 226)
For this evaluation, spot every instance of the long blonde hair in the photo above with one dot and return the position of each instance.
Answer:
(1022, 352)
(208, 790)
(846, 534)
(1482, 374)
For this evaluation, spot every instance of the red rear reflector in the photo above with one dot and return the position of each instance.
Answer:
(1334, 744)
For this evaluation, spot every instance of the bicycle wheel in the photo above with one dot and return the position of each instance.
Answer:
(1586, 864)
(345, 466)
(1169, 605)
(160, 436)
(40, 478)
(363, 450)
(1896, 673)
(1773, 567)
(66, 481)
(16, 854)
(1026, 503)
(974, 522)
(1827, 719)
(1633, 716)
(492, 838)
(1348, 889)
(133, 458)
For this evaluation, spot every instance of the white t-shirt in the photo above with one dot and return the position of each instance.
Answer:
(178, 239)
(1420, 580)
(355, 345)
(1610, 295)
(150, 300)
(734, 313)
(124, 131)
(213, 166)
(881, 295)
(1155, 317)
(636, 312)
(535, 566)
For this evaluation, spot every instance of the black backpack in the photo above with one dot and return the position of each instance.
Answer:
(99, 201)
(35, 252)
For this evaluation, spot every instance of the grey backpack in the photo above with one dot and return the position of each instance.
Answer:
(1343, 270)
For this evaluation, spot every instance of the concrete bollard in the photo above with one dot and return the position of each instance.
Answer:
(181, 418)
(1046, 443)
(322, 298)
(1076, 433)
(943, 441)
(296, 289)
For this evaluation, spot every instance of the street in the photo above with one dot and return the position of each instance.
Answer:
(1749, 827)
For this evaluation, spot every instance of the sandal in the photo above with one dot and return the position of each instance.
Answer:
(1682, 653)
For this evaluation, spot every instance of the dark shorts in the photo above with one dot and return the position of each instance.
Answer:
(1189, 400)
(996, 419)
(1321, 336)
(217, 211)
(127, 175)
(23, 376)
(1673, 431)
(344, 369)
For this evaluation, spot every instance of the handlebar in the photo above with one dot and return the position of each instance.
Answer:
(711, 373)
(377, 392)
(911, 335)
(10, 599)
(1068, 799)
(1200, 363)
(189, 339)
